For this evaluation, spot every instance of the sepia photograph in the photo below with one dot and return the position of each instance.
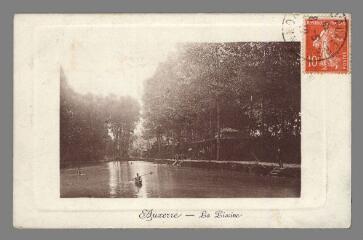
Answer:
(180, 119)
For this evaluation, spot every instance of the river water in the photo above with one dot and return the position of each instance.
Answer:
(115, 179)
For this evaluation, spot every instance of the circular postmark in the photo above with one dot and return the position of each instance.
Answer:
(292, 30)
(328, 33)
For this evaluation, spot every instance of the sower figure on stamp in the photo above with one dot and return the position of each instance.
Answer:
(322, 41)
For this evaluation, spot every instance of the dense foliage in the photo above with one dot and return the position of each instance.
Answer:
(94, 127)
(226, 101)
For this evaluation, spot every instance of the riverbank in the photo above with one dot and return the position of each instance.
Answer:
(258, 168)
(115, 180)
(267, 164)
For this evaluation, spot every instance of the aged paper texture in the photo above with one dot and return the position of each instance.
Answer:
(182, 121)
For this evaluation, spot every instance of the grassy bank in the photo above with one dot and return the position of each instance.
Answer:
(258, 168)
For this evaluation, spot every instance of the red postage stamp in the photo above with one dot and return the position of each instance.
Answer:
(326, 45)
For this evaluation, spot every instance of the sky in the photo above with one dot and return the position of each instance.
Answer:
(106, 62)
(113, 61)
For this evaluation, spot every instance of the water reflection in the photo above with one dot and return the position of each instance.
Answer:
(115, 178)
(162, 180)
(121, 178)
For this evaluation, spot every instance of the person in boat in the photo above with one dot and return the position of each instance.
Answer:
(138, 178)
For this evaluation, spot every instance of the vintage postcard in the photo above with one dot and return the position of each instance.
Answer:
(182, 120)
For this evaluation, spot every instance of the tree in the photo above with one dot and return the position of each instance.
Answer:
(90, 123)
(252, 87)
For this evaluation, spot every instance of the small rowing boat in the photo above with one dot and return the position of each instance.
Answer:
(138, 181)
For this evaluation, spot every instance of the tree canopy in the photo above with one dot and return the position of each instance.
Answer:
(93, 127)
(208, 88)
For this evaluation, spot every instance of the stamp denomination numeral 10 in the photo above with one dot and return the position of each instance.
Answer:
(312, 61)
